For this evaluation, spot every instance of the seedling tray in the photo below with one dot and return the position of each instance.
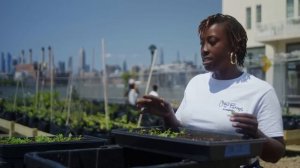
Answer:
(13, 154)
(195, 145)
(101, 157)
(108, 156)
(18, 150)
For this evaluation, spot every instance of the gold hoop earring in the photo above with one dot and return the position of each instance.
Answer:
(233, 60)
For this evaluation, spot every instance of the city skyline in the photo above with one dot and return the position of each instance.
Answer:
(128, 28)
(7, 62)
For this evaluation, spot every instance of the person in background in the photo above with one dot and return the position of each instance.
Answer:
(131, 83)
(153, 92)
(226, 99)
(132, 94)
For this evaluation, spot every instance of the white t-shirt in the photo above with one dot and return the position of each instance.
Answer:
(153, 93)
(132, 96)
(208, 102)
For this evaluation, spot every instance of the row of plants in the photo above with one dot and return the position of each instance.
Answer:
(86, 117)
(38, 139)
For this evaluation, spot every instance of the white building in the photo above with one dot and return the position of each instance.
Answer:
(273, 29)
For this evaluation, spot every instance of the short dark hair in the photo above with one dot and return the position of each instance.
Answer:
(234, 30)
(131, 86)
(155, 87)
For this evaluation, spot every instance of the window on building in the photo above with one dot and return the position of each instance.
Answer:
(292, 47)
(258, 13)
(298, 7)
(289, 8)
(253, 62)
(293, 76)
(248, 18)
(293, 81)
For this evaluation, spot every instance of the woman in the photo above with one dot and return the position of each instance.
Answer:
(226, 99)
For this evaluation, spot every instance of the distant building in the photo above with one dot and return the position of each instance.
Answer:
(70, 64)
(82, 60)
(136, 68)
(113, 69)
(61, 67)
(162, 56)
(124, 66)
(87, 68)
(26, 69)
(171, 75)
(3, 68)
(9, 63)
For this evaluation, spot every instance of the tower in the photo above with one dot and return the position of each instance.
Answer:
(82, 60)
(50, 63)
(70, 64)
(43, 55)
(22, 57)
(161, 56)
(9, 62)
(30, 56)
(2, 62)
(124, 66)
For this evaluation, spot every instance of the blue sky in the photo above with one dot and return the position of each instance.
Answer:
(128, 27)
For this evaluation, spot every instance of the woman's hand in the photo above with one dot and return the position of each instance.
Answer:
(273, 149)
(246, 124)
(154, 105)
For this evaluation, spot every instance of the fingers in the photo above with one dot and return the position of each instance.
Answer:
(153, 98)
(143, 100)
(245, 123)
(246, 119)
(153, 105)
(245, 128)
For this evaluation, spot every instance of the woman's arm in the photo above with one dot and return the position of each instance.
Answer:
(273, 149)
(158, 106)
(247, 124)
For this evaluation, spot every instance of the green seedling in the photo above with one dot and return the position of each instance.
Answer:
(38, 139)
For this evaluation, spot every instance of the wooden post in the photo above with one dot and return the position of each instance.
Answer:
(34, 132)
(104, 85)
(147, 86)
(11, 129)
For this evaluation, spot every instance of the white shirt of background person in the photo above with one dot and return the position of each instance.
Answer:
(132, 96)
(153, 93)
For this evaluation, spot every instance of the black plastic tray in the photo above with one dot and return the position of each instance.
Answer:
(13, 154)
(18, 150)
(105, 156)
(227, 147)
(110, 156)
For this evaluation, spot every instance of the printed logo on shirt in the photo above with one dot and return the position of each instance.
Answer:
(230, 106)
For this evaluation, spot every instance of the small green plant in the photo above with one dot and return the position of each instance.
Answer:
(162, 133)
(38, 139)
(14, 140)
